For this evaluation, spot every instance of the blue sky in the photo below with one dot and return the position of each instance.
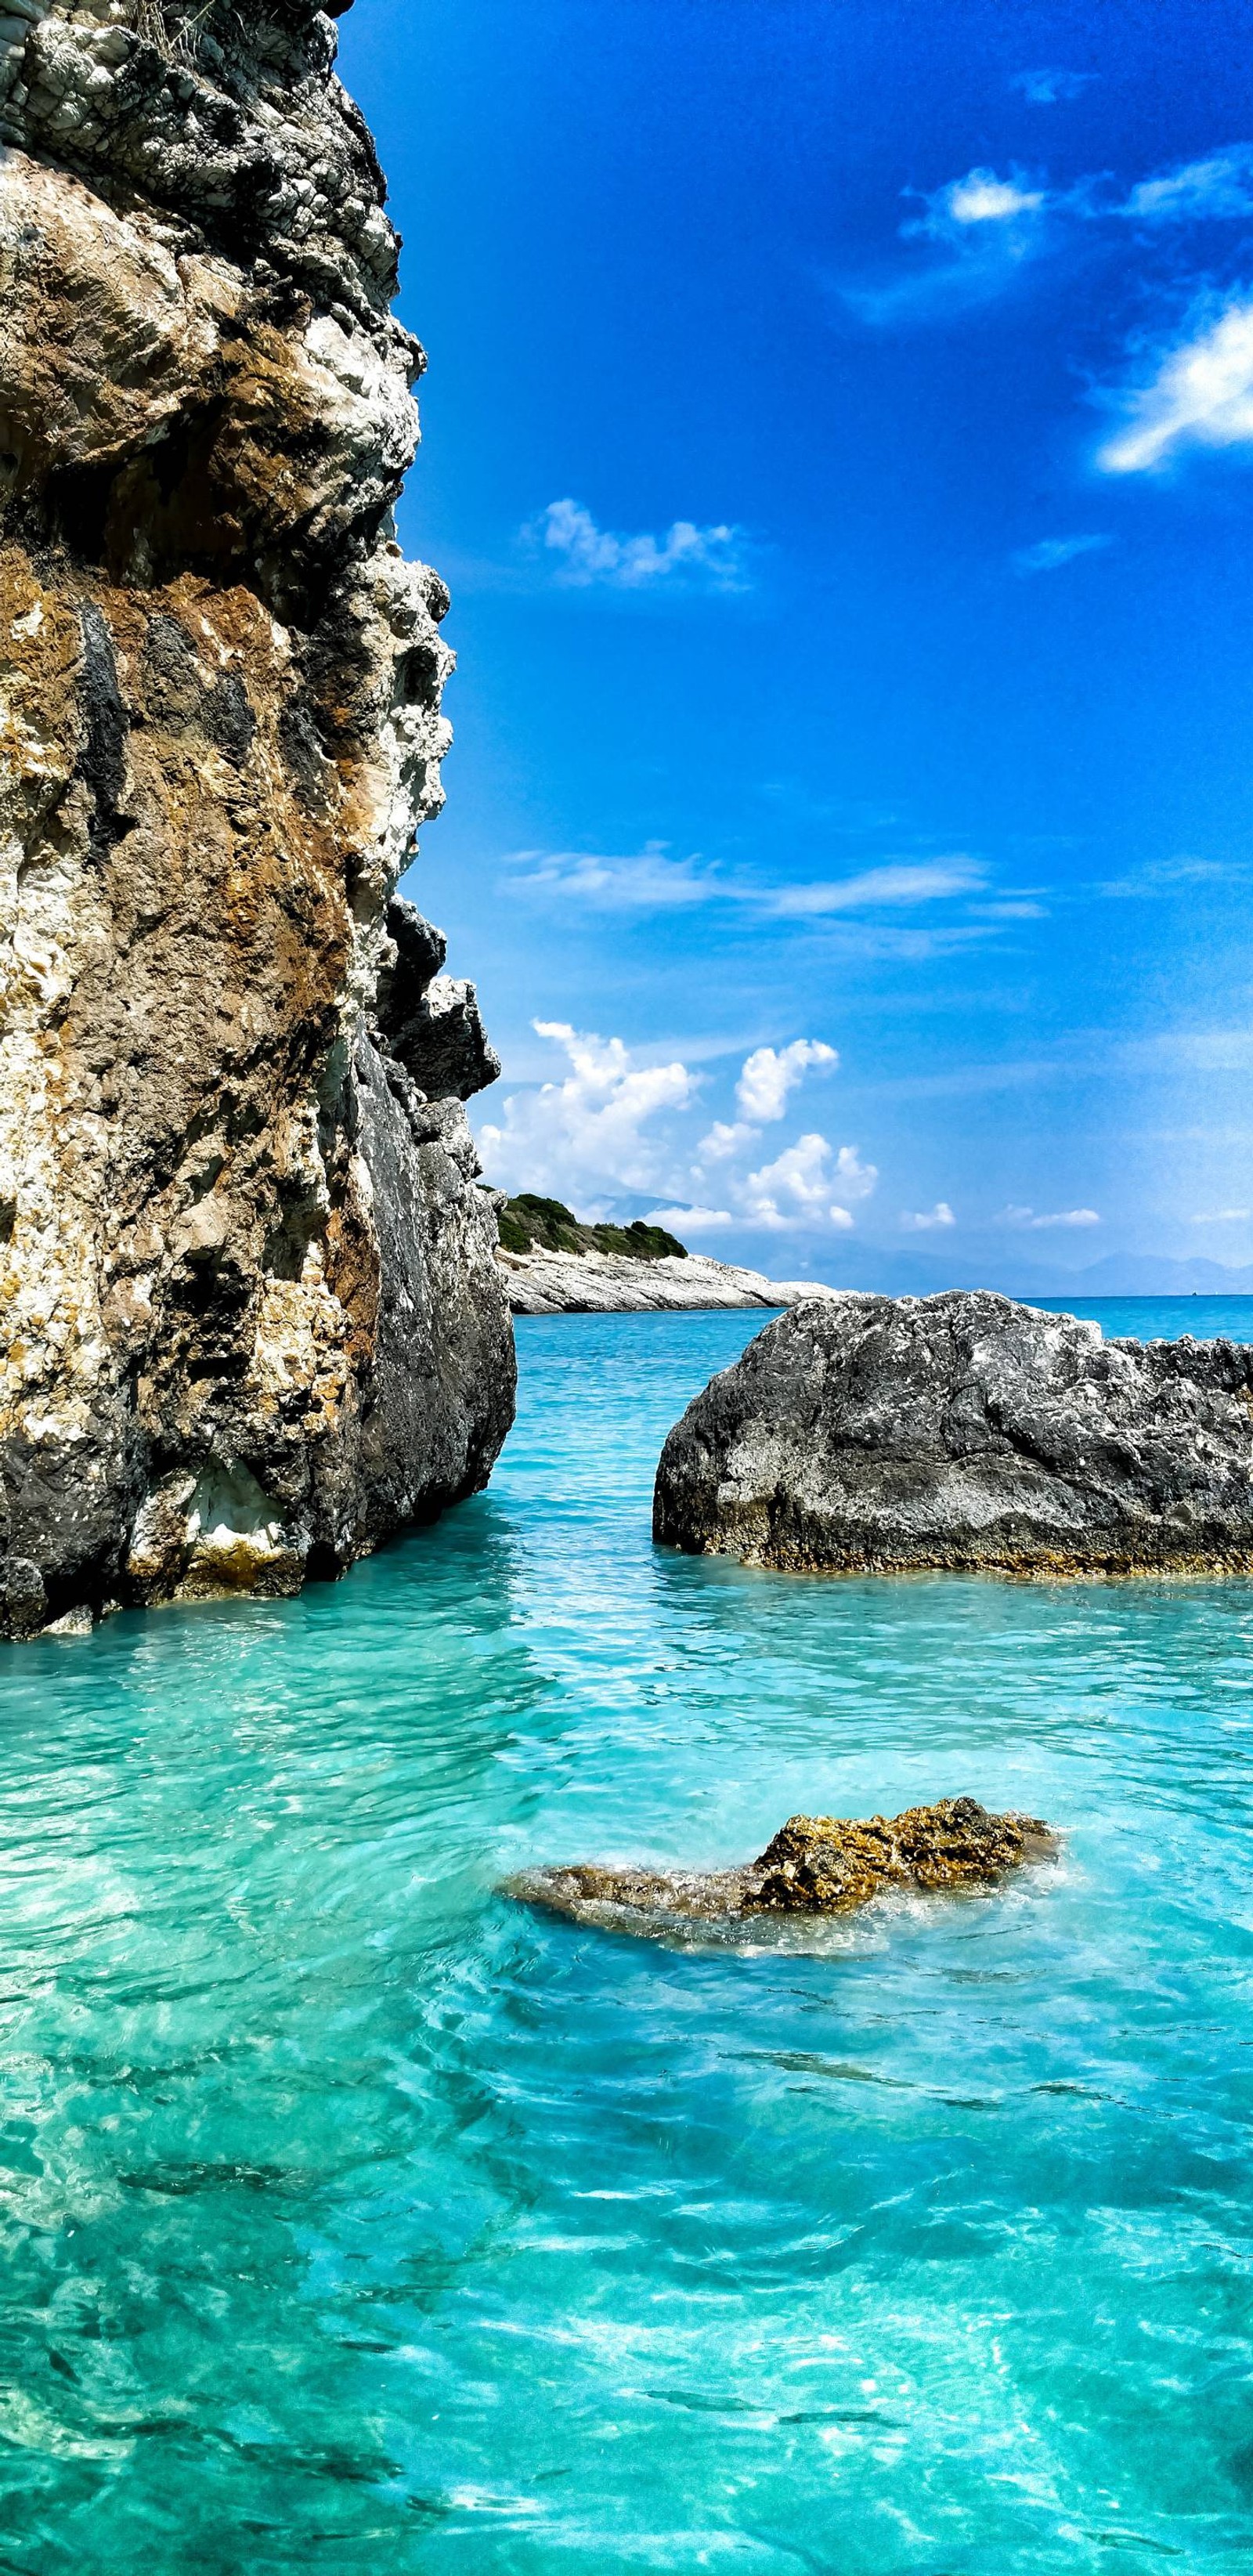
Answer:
(839, 442)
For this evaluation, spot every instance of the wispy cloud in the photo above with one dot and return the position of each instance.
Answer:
(647, 880)
(651, 880)
(931, 881)
(1225, 1216)
(1218, 189)
(1050, 553)
(1158, 879)
(585, 556)
(1046, 88)
(1200, 393)
(1025, 1216)
(987, 228)
(928, 1220)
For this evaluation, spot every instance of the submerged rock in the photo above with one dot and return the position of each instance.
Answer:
(253, 1319)
(814, 1865)
(965, 1431)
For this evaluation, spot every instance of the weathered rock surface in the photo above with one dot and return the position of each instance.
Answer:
(814, 1865)
(965, 1431)
(599, 1283)
(252, 1315)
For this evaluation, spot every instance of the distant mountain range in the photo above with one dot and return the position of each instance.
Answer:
(898, 1272)
(1119, 1274)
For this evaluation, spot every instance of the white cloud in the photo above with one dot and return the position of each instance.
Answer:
(593, 1131)
(770, 1074)
(797, 1188)
(979, 198)
(1225, 1216)
(690, 1220)
(1044, 88)
(686, 556)
(614, 1124)
(1216, 190)
(1025, 1216)
(1200, 396)
(723, 1141)
(1051, 552)
(927, 1221)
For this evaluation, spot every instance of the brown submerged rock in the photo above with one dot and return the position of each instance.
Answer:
(814, 1865)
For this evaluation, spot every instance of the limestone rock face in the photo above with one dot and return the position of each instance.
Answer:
(965, 1431)
(813, 1865)
(252, 1316)
(608, 1283)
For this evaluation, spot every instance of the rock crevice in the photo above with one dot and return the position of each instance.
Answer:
(252, 1317)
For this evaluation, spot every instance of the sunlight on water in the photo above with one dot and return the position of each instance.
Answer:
(354, 2218)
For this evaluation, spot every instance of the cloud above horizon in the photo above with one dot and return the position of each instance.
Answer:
(594, 1131)
(797, 1188)
(614, 1125)
(586, 556)
(928, 1220)
(1025, 1216)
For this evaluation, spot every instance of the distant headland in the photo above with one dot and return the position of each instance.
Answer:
(556, 1265)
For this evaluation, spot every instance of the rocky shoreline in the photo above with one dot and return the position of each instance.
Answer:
(599, 1283)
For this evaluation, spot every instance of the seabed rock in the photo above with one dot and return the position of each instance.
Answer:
(253, 1320)
(814, 1865)
(888, 1435)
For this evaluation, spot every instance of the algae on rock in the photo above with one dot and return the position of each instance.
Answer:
(252, 1316)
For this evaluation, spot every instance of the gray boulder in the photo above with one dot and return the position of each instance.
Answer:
(965, 1431)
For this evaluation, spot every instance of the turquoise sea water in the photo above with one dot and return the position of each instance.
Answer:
(354, 2219)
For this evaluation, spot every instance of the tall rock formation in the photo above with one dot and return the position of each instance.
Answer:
(252, 1317)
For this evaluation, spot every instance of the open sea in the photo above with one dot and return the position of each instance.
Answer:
(352, 2218)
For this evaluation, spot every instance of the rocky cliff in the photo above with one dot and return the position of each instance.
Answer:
(883, 1434)
(252, 1315)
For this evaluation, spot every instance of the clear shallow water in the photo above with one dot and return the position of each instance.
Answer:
(352, 2218)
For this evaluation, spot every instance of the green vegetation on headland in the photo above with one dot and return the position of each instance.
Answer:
(533, 1224)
